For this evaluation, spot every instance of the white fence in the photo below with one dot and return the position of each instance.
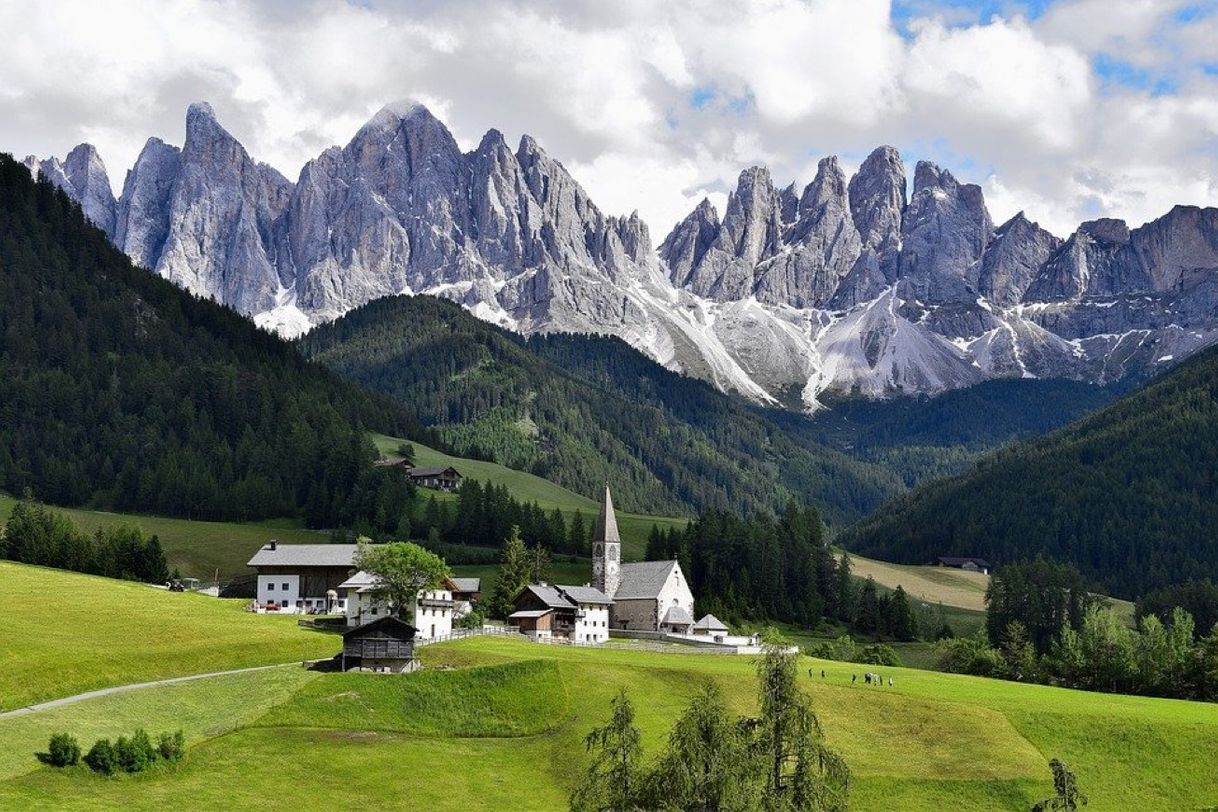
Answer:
(461, 634)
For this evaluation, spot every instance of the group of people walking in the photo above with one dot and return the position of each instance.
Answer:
(868, 678)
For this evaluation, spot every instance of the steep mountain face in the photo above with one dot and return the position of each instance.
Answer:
(1129, 493)
(787, 297)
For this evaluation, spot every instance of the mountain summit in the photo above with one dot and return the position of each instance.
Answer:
(845, 286)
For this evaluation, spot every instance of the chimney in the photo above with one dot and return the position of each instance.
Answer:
(274, 544)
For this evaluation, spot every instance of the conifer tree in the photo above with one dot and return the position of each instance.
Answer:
(515, 570)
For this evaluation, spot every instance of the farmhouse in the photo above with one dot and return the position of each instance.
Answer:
(968, 564)
(647, 595)
(385, 644)
(445, 479)
(434, 611)
(302, 578)
(577, 613)
(466, 592)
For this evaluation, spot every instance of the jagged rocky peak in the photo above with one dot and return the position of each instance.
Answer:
(82, 176)
(223, 214)
(685, 246)
(823, 245)
(142, 218)
(788, 204)
(1013, 258)
(1183, 240)
(945, 232)
(877, 200)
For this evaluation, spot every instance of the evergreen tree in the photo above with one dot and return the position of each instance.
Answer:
(845, 590)
(868, 617)
(613, 780)
(515, 570)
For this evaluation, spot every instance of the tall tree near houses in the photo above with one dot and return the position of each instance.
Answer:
(402, 571)
(515, 570)
(845, 590)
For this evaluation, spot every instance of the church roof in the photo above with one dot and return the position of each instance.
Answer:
(606, 521)
(643, 579)
(585, 594)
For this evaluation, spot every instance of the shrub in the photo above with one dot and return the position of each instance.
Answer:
(100, 757)
(63, 751)
(879, 654)
(135, 754)
(171, 746)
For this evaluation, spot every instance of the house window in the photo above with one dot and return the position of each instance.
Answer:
(285, 587)
(270, 587)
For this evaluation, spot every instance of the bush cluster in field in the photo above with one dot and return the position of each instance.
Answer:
(128, 755)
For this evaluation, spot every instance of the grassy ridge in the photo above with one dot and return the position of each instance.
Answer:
(526, 487)
(66, 633)
(932, 741)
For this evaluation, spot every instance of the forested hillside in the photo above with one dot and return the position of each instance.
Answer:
(119, 390)
(582, 410)
(1130, 494)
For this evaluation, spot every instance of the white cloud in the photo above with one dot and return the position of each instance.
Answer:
(609, 89)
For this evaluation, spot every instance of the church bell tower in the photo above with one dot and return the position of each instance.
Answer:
(606, 549)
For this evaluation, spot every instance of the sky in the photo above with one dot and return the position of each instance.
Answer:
(1066, 109)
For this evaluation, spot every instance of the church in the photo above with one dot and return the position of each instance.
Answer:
(646, 595)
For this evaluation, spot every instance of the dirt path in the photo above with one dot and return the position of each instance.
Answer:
(135, 686)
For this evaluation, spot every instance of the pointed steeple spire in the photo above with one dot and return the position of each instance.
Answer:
(606, 521)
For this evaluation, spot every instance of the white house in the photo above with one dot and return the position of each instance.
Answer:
(577, 613)
(434, 610)
(302, 578)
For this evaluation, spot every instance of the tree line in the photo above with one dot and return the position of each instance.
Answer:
(1043, 626)
(35, 535)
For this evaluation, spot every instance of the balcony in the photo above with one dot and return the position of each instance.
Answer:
(435, 603)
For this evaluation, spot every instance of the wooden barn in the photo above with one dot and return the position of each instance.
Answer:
(385, 645)
(439, 478)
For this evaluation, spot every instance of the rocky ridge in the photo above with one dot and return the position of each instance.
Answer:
(845, 286)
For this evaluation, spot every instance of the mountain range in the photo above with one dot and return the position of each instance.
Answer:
(848, 286)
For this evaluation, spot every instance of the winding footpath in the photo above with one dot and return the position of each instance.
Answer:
(135, 686)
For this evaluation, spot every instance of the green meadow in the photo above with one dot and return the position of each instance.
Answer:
(494, 723)
(65, 633)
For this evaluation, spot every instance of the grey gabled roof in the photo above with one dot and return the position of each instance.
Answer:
(530, 613)
(585, 594)
(605, 528)
(305, 555)
(677, 616)
(550, 596)
(467, 584)
(643, 579)
(710, 623)
(433, 471)
(361, 581)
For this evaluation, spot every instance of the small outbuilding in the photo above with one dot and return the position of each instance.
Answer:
(536, 623)
(385, 645)
(710, 626)
(676, 620)
(964, 563)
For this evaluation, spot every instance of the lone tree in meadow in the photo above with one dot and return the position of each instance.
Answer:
(402, 571)
(802, 773)
(613, 780)
(1067, 796)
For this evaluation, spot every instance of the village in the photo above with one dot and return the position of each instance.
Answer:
(642, 601)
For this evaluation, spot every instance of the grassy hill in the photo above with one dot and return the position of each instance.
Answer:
(66, 633)
(504, 730)
(1130, 494)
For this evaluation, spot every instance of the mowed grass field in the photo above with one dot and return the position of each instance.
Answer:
(494, 723)
(64, 633)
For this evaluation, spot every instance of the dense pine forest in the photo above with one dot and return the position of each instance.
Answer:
(1129, 494)
(583, 410)
(120, 391)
